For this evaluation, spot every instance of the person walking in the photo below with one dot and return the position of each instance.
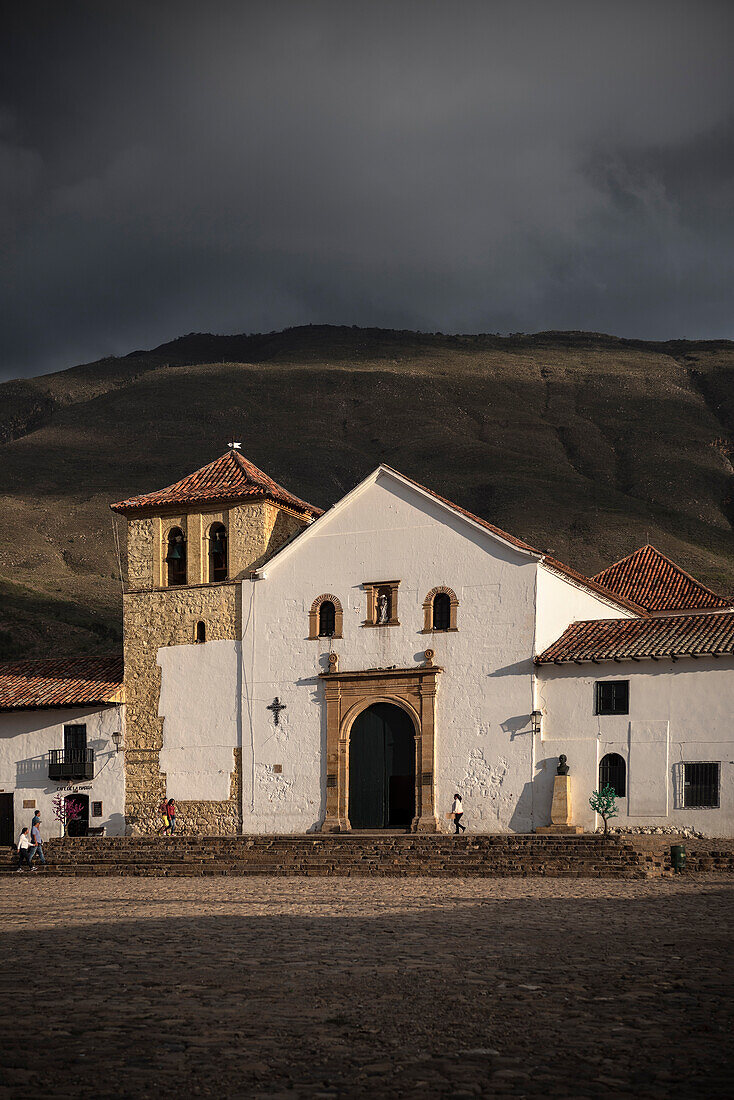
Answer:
(171, 807)
(36, 841)
(25, 852)
(457, 810)
(163, 811)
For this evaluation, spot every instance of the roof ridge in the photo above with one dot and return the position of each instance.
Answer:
(552, 562)
(591, 582)
(649, 571)
(513, 539)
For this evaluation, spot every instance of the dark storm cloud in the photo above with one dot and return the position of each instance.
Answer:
(494, 166)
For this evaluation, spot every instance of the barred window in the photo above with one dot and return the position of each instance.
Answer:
(701, 785)
(441, 611)
(327, 619)
(612, 697)
(613, 773)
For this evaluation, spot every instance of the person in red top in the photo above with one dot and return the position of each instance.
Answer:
(171, 809)
(163, 811)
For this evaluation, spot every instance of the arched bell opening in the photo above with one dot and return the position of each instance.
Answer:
(217, 552)
(176, 557)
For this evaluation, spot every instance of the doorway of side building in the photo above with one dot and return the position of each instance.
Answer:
(382, 769)
(80, 826)
(7, 822)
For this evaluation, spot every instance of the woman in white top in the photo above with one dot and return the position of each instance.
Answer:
(25, 854)
(457, 810)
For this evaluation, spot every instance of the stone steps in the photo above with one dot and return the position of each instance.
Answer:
(361, 855)
(356, 855)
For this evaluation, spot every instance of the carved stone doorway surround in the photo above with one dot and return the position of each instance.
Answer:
(350, 693)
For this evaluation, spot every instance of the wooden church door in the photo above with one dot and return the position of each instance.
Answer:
(382, 769)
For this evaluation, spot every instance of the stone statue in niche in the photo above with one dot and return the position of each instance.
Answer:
(383, 609)
(562, 768)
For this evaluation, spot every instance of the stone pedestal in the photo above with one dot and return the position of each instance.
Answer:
(560, 809)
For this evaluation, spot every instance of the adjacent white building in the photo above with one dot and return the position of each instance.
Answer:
(61, 731)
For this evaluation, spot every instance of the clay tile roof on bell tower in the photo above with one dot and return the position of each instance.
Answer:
(229, 478)
(657, 583)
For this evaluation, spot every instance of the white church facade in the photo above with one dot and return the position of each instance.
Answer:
(288, 671)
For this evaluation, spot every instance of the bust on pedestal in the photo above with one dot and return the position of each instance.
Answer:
(561, 805)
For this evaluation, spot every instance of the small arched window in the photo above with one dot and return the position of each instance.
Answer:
(441, 611)
(218, 552)
(176, 557)
(201, 632)
(613, 773)
(327, 619)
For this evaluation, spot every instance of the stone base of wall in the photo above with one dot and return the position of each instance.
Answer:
(194, 818)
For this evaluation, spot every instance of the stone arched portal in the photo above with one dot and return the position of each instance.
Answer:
(347, 695)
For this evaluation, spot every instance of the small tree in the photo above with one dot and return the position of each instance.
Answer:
(604, 803)
(66, 810)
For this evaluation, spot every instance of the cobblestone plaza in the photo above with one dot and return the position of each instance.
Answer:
(341, 987)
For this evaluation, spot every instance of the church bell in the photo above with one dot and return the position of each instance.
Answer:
(175, 552)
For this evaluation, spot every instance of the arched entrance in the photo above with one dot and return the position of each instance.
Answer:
(382, 768)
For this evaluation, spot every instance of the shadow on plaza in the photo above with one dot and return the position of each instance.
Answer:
(568, 989)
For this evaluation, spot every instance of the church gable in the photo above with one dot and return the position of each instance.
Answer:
(388, 501)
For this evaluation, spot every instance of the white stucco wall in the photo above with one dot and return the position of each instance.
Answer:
(678, 711)
(26, 736)
(561, 602)
(389, 531)
(199, 703)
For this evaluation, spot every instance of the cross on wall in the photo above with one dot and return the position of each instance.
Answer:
(276, 706)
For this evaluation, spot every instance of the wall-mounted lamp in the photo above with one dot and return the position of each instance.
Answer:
(536, 719)
(117, 740)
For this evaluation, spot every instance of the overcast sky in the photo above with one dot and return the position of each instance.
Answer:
(499, 166)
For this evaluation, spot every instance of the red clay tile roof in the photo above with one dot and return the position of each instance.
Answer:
(60, 682)
(625, 639)
(657, 583)
(230, 477)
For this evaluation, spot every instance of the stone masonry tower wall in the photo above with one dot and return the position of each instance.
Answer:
(156, 616)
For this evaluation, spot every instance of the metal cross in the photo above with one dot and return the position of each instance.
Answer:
(276, 706)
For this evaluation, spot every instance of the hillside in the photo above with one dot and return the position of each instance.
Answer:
(582, 444)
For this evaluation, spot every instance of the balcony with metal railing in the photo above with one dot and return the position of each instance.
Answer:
(71, 764)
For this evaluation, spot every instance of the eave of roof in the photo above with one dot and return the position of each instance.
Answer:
(672, 637)
(61, 682)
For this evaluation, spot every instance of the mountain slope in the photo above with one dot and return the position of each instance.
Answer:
(583, 444)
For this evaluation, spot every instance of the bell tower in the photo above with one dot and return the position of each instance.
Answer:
(188, 548)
